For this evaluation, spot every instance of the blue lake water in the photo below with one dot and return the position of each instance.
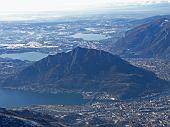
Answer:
(31, 56)
(90, 37)
(15, 98)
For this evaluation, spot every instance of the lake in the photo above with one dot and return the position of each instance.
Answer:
(15, 98)
(90, 37)
(31, 56)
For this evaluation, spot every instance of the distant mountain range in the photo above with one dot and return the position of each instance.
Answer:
(85, 69)
(151, 39)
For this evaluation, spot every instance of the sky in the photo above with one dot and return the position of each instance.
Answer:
(66, 5)
(11, 7)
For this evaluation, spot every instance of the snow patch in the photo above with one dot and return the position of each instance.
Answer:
(34, 45)
(166, 20)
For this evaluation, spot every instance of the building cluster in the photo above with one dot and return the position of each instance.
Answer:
(144, 113)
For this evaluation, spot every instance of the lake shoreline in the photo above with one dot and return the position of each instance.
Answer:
(22, 98)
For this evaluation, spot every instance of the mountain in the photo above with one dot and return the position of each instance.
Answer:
(26, 118)
(148, 40)
(149, 19)
(85, 69)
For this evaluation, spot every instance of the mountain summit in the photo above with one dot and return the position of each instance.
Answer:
(92, 70)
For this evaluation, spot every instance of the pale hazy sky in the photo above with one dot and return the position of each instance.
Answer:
(66, 5)
(33, 9)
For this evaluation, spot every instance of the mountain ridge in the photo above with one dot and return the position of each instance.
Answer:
(148, 40)
(88, 70)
